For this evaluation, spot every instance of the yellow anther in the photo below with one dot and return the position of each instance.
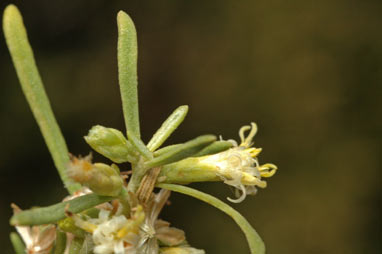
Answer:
(267, 170)
(254, 151)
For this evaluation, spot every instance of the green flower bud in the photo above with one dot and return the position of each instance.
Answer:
(110, 143)
(100, 178)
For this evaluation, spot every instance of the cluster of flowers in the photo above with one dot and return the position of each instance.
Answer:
(110, 228)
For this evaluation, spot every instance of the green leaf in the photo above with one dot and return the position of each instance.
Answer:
(32, 86)
(60, 244)
(256, 245)
(17, 243)
(215, 147)
(183, 151)
(168, 127)
(54, 213)
(165, 149)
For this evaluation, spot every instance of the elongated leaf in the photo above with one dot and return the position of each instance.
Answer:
(165, 149)
(256, 245)
(183, 151)
(60, 243)
(54, 213)
(168, 127)
(32, 86)
(215, 147)
(18, 244)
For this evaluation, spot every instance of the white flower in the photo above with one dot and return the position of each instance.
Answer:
(237, 167)
(117, 234)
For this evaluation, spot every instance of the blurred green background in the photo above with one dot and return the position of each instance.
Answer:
(308, 72)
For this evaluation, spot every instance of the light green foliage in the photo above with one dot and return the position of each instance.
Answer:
(168, 127)
(60, 243)
(54, 213)
(31, 83)
(106, 181)
(17, 243)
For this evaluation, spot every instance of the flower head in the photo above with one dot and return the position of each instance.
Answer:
(113, 233)
(238, 167)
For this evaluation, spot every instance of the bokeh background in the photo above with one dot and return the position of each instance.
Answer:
(308, 72)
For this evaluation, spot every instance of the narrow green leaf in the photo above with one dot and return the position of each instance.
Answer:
(183, 151)
(54, 213)
(168, 127)
(215, 147)
(127, 72)
(256, 245)
(17, 243)
(165, 149)
(60, 244)
(32, 86)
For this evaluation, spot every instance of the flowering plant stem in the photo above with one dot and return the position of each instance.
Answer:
(33, 88)
(255, 243)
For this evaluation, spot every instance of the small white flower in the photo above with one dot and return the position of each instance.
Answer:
(239, 166)
(117, 234)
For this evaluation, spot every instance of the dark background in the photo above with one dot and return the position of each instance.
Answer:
(308, 72)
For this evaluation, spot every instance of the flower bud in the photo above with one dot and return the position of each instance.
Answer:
(110, 143)
(100, 178)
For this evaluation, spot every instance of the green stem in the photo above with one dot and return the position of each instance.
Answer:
(138, 172)
(256, 245)
(17, 243)
(32, 86)
(54, 213)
